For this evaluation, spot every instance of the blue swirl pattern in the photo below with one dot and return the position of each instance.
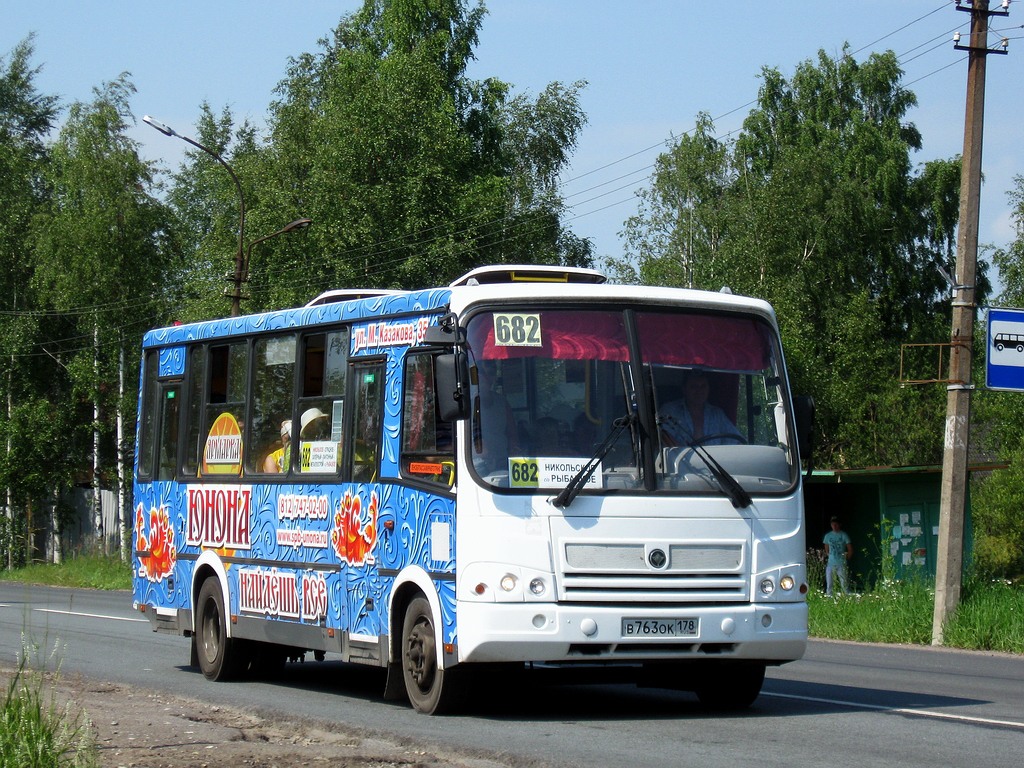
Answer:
(283, 540)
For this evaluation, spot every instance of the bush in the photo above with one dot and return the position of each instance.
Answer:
(996, 504)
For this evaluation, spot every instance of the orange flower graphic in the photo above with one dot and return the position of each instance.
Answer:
(160, 554)
(355, 532)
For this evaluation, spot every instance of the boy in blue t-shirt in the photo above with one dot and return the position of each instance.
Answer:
(839, 550)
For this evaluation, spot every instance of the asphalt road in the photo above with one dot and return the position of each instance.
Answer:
(864, 705)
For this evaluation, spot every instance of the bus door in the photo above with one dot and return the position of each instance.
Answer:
(167, 429)
(361, 504)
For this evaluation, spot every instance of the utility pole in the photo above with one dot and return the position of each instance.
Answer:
(949, 565)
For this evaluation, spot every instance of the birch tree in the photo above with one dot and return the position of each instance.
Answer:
(26, 117)
(818, 207)
(100, 268)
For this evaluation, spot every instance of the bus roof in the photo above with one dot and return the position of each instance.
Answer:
(493, 285)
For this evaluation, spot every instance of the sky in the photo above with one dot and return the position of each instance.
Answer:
(650, 66)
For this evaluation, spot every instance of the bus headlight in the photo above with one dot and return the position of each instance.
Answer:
(537, 586)
(780, 585)
(508, 582)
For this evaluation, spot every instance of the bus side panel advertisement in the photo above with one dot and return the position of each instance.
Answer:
(326, 545)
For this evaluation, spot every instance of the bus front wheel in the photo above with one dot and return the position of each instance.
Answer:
(430, 688)
(220, 657)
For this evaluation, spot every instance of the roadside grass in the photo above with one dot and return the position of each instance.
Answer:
(990, 616)
(37, 733)
(85, 571)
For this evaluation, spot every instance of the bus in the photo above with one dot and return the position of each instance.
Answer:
(502, 473)
(1014, 340)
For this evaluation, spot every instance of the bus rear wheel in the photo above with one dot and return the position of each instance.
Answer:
(431, 689)
(220, 657)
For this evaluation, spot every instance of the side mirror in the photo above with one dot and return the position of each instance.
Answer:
(803, 407)
(451, 373)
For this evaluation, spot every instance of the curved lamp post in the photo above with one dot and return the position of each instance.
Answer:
(243, 254)
(236, 297)
(289, 227)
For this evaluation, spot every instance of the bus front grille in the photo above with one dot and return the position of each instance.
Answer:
(623, 571)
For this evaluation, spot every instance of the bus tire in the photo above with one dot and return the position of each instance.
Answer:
(730, 687)
(220, 657)
(431, 689)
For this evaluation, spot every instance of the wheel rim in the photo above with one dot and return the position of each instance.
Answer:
(211, 630)
(420, 656)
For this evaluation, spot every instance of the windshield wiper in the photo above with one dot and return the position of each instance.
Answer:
(730, 486)
(580, 479)
(737, 494)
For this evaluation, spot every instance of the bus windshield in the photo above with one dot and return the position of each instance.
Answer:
(651, 392)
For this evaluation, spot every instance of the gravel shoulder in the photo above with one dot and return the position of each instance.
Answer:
(135, 728)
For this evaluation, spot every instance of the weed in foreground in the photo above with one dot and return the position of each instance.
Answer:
(35, 732)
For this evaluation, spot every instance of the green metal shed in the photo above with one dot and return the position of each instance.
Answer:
(889, 512)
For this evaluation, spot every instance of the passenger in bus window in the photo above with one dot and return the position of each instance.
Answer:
(693, 420)
(315, 425)
(280, 460)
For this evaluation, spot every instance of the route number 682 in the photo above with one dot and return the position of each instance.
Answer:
(517, 330)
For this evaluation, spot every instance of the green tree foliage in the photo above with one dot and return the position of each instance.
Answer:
(997, 500)
(206, 202)
(412, 172)
(99, 264)
(26, 117)
(817, 207)
(100, 243)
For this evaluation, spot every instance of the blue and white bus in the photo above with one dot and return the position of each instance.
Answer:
(506, 471)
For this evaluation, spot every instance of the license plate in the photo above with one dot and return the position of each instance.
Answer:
(688, 627)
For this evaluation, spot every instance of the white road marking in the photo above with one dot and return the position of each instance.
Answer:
(90, 615)
(903, 711)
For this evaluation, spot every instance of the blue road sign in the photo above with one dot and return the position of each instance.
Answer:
(1004, 360)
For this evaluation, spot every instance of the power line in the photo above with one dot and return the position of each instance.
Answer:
(873, 43)
(401, 243)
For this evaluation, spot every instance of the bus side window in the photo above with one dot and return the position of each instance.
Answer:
(428, 451)
(148, 414)
(321, 408)
(367, 418)
(225, 402)
(273, 387)
(195, 429)
(168, 465)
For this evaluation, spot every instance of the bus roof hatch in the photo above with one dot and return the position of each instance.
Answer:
(528, 273)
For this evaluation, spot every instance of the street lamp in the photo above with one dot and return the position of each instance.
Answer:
(243, 255)
(289, 227)
(236, 297)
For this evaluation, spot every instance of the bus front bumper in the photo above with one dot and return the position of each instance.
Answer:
(546, 632)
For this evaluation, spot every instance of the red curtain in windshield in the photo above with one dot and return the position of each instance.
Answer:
(715, 341)
(666, 338)
(561, 336)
